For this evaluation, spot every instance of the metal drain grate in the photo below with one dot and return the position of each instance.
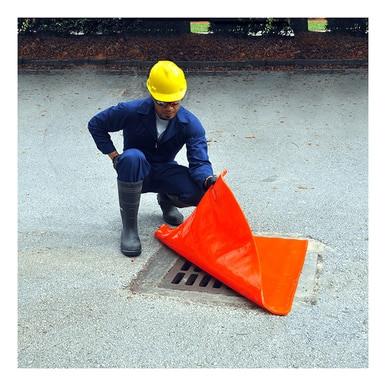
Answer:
(184, 275)
(165, 266)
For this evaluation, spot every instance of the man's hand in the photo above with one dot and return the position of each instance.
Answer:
(115, 161)
(210, 180)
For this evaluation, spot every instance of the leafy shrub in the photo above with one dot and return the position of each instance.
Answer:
(357, 26)
(277, 27)
(101, 26)
(236, 27)
(251, 26)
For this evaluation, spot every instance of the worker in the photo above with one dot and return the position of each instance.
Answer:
(154, 131)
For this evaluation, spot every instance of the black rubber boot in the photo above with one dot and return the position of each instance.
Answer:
(170, 213)
(129, 197)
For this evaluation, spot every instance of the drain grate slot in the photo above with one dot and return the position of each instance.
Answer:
(186, 266)
(205, 280)
(177, 279)
(217, 284)
(191, 280)
(184, 275)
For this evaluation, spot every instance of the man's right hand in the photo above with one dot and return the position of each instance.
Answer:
(114, 157)
(115, 161)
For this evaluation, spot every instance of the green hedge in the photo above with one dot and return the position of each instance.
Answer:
(102, 26)
(111, 26)
(356, 26)
(243, 27)
(250, 26)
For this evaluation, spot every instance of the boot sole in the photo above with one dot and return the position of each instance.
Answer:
(131, 253)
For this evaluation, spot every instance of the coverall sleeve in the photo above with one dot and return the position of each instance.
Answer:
(197, 154)
(109, 120)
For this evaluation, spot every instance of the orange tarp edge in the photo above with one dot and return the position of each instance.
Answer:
(217, 238)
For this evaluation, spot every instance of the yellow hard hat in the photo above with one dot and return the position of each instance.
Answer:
(166, 82)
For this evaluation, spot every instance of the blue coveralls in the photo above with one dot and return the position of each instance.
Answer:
(151, 159)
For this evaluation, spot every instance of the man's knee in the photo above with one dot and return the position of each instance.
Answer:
(132, 155)
(132, 166)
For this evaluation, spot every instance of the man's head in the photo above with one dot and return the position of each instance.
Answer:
(167, 86)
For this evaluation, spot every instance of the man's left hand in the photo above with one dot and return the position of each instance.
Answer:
(209, 182)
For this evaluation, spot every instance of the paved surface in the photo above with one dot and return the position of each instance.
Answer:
(295, 146)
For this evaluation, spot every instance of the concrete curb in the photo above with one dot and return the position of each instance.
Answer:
(145, 64)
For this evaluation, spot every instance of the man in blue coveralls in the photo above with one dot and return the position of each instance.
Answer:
(154, 131)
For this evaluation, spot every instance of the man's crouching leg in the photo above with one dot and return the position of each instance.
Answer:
(170, 213)
(132, 167)
(170, 202)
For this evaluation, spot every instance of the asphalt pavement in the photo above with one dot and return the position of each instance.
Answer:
(295, 147)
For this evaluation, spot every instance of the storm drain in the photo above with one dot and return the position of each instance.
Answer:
(185, 276)
(168, 274)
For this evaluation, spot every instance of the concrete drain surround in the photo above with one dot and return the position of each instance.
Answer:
(168, 274)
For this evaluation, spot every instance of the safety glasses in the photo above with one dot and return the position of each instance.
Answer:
(164, 104)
